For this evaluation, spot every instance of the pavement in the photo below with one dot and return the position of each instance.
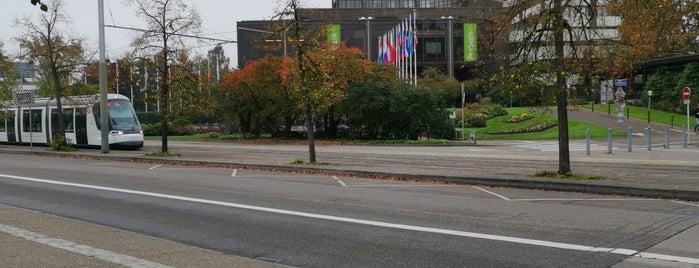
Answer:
(664, 168)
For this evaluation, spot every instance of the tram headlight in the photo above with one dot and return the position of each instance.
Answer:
(116, 132)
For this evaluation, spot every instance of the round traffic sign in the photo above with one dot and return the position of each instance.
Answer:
(686, 93)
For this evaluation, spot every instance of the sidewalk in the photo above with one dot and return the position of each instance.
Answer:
(655, 173)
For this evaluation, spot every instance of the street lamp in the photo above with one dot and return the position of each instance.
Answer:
(650, 93)
(450, 44)
(367, 43)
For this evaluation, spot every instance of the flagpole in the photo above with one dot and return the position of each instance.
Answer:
(415, 45)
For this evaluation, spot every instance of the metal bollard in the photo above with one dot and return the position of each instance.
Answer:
(684, 136)
(587, 141)
(629, 141)
(648, 138)
(667, 138)
(609, 140)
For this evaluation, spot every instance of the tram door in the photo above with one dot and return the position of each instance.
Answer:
(11, 136)
(80, 125)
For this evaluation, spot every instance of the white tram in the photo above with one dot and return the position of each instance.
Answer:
(36, 123)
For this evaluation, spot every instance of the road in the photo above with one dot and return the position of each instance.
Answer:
(321, 221)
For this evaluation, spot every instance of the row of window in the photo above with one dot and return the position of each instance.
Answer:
(32, 120)
(394, 3)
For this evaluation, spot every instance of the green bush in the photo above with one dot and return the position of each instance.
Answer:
(492, 110)
(149, 118)
(476, 120)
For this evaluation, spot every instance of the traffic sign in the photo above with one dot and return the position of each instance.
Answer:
(686, 93)
(620, 82)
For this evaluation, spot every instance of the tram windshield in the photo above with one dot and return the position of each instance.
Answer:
(121, 116)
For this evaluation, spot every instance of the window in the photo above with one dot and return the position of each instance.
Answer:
(33, 121)
(67, 120)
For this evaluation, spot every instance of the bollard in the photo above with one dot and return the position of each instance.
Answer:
(629, 141)
(667, 138)
(684, 136)
(609, 140)
(648, 138)
(587, 141)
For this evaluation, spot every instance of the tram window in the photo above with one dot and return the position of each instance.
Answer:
(3, 121)
(67, 120)
(35, 121)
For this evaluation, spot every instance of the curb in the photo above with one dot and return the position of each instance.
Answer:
(537, 184)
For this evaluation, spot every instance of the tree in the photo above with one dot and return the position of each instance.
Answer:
(655, 28)
(40, 4)
(309, 84)
(166, 21)
(56, 54)
(558, 37)
(7, 77)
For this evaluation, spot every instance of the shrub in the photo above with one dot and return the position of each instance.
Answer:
(476, 120)
(493, 111)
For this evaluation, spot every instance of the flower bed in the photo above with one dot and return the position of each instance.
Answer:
(541, 126)
(520, 118)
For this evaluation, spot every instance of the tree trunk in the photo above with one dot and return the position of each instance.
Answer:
(165, 100)
(562, 98)
(311, 135)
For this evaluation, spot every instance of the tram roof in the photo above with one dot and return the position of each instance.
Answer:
(66, 101)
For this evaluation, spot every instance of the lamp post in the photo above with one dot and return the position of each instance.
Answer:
(650, 93)
(367, 43)
(449, 47)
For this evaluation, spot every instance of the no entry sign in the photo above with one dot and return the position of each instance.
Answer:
(686, 93)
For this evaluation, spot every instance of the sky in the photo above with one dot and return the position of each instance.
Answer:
(219, 19)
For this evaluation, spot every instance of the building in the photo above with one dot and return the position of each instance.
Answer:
(441, 27)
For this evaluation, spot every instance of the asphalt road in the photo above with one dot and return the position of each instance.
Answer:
(323, 221)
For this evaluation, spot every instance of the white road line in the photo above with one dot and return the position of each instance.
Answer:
(86, 250)
(492, 193)
(685, 203)
(342, 183)
(582, 199)
(235, 172)
(154, 167)
(517, 240)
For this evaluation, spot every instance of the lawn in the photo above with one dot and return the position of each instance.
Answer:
(671, 119)
(576, 129)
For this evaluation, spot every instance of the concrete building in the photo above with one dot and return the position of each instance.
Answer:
(440, 26)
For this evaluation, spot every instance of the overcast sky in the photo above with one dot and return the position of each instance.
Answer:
(219, 19)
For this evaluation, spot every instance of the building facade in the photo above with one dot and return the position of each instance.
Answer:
(441, 26)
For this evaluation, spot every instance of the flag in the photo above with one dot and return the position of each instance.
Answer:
(379, 58)
(399, 42)
(385, 49)
(391, 48)
(409, 42)
(117, 71)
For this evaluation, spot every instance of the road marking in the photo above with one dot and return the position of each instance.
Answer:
(86, 250)
(492, 193)
(516, 240)
(342, 183)
(235, 172)
(685, 203)
(154, 167)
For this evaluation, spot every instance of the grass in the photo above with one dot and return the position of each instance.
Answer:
(641, 113)
(570, 176)
(576, 129)
(163, 154)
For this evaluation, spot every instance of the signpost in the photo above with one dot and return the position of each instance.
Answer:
(686, 94)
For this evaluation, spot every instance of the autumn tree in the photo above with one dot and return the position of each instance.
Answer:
(653, 29)
(551, 43)
(7, 77)
(341, 67)
(309, 85)
(166, 22)
(57, 54)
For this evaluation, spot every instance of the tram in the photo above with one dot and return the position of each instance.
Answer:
(36, 123)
